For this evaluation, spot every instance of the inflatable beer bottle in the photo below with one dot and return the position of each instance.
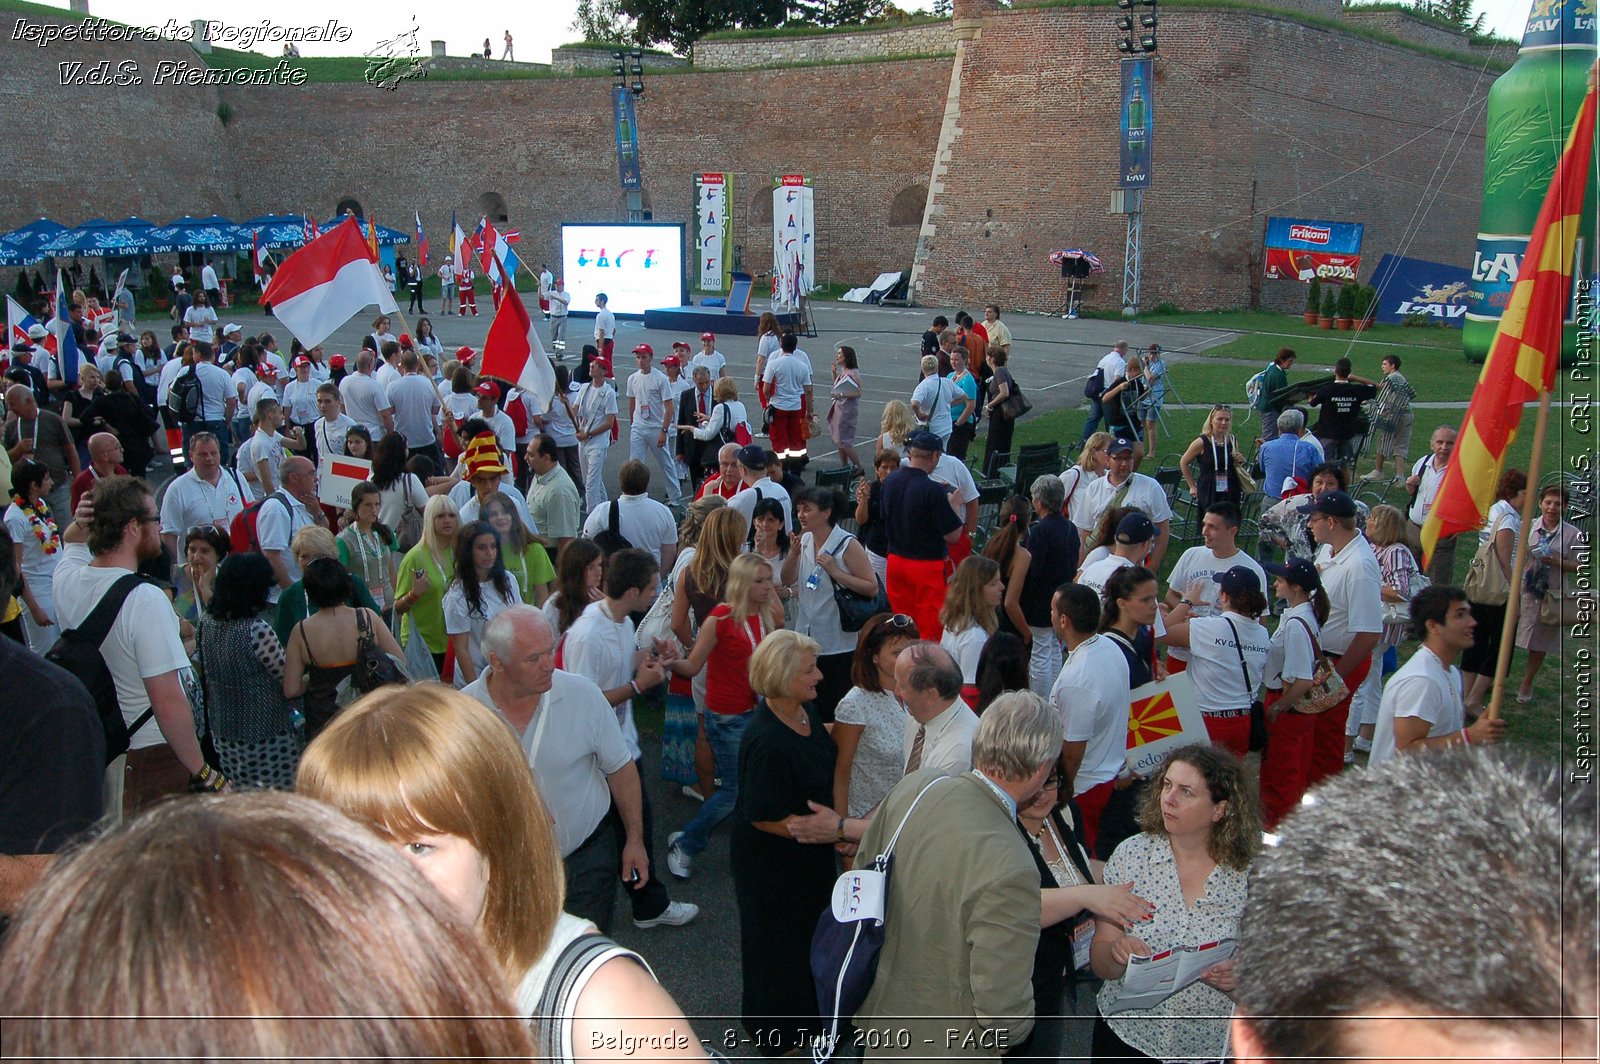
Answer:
(1531, 109)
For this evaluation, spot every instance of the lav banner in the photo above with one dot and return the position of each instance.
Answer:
(794, 241)
(627, 138)
(713, 232)
(1138, 120)
(1416, 289)
(1299, 249)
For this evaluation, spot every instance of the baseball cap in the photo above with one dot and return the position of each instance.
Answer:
(1135, 528)
(644, 349)
(37, 332)
(672, 360)
(753, 457)
(267, 371)
(708, 336)
(124, 338)
(231, 328)
(923, 440)
(465, 353)
(404, 339)
(680, 345)
(487, 389)
(336, 362)
(1298, 571)
(1120, 446)
(1237, 579)
(301, 360)
(1332, 503)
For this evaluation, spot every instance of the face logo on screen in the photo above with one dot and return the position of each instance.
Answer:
(639, 267)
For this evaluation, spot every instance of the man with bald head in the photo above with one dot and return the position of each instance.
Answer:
(575, 747)
(285, 512)
(105, 460)
(41, 435)
(939, 725)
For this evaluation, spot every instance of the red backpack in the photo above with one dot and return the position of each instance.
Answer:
(242, 538)
(517, 411)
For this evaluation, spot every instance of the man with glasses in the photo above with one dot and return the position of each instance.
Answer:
(1423, 484)
(579, 758)
(206, 495)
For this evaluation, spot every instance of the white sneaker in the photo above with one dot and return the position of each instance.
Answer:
(1349, 757)
(676, 914)
(690, 792)
(1363, 745)
(679, 863)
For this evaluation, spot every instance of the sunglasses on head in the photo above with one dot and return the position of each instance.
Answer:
(900, 620)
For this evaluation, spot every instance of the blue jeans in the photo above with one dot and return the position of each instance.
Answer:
(1097, 411)
(723, 731)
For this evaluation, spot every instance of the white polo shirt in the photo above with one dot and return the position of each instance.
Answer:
(216, 388)
(190, 501)
(1143, 492)
(952, 472)
(948, 744)
(300, 400)
(1092, 695)
(572, 744)
(1354, 585)
(1427, 488)
(1293, 654)
(1214, 669)
(789, 377)
(1199, 563)
(935, 394)
(643, 522)
(1112, 368)
(651, 395)
(364, 401)
(275, 529)
(1422, 688)
(602, 650)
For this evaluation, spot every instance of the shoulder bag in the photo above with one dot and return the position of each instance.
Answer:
(855, 609)
(1015, 404)
(374, 668)
(1327, 686)
(1258, 712)
(1487, 584)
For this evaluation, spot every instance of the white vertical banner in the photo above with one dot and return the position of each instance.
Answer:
(713, 195)
(794, 241)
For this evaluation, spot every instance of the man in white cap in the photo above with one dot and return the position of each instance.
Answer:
(232, 336)
(447, 285)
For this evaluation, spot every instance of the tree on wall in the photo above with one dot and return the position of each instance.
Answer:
(679, 23)
(604, 20)
(1456, 12)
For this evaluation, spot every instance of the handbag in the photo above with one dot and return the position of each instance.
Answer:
(1563, 608)
(1015, 404)
(409, 533)
(657, 621)
(374, 668)
(856, 609)
(1328, 688)
(1258, 709)
(1400, 612)
(1487, 584)
(849, 937)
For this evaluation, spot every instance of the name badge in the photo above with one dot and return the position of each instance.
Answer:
(1082, 939)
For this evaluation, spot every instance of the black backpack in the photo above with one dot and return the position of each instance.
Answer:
(609, 539)
(185, 398)
(1094, 386)
(78, 651)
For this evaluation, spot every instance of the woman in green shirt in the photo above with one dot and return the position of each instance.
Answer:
(524, 556)
(294, 606)
(425, 573)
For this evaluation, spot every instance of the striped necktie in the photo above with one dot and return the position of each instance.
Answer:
(914, 762)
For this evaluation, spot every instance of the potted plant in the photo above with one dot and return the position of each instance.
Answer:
(1346, 304)
(1330, 308)
(1366, 305)
(1313, 300)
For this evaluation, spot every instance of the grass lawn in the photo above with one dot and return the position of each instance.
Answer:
(1538, 726)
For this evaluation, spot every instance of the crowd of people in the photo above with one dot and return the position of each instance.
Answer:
(455, 656)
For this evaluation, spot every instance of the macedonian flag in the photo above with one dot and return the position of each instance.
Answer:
(1526, 351)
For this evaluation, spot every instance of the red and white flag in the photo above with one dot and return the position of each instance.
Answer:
(326, 283)
(513, 351)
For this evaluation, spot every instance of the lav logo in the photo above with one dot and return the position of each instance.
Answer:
(1447, 301)
(1310, 234)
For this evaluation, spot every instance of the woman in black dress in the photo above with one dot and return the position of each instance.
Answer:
(785, 759)
(1213, 461)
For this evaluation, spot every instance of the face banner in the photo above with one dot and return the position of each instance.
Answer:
(1299, 249)
(713, 232)
(1138, 122)
(794, 241)
(1408, 288)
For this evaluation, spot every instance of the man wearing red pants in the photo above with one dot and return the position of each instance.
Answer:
(468, 298)
(1353, 583)
(922, 523)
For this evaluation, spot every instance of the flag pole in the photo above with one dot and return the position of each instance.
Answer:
(1519, 560)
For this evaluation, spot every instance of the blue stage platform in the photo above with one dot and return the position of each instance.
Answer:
(693, 321)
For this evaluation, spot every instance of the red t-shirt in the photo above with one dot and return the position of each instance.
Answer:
(80, 487)
(714, 484)
(728, 668)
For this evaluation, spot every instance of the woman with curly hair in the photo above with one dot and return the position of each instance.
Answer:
(480, 591)
(1201, 832)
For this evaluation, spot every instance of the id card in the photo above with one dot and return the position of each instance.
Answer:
(1221, 483)
(1082, 939)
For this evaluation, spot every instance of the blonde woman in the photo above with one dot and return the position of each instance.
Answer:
(444, 780)
(970, 616)
(734, 629)
(1212, 463)
(895, 424)
(294, 604)
(425, 574)
(1092, 463)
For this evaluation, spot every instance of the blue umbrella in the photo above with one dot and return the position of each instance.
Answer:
(386, 236)
(58, 244)
(277, 230)
(20, 246)
(198, 234)
(99, 238)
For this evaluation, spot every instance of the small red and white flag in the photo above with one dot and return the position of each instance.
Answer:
(326, 283)
(422, 241)
(338, 477)
(513, 351)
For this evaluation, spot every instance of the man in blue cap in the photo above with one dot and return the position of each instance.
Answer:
(922, 523)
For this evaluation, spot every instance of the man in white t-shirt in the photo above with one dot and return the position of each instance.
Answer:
(642, 521)
(600, 645)
(1113, 367)
(328, 432)
(759, 486)
(1191, 577)
(201, 319)
(364, 399)
(605, 332)
(547, 282)
(143, 651)
(1353, 582)
(210, 283)
(578, 757)
(447, 285)
(788, 381)
(416, 409)
(560, 300)
(709, 357)
(208, 494)
(1121, 486)
(652, 405)
(1092, 694)
(1422, 707)
(500, 423)
(285, 512)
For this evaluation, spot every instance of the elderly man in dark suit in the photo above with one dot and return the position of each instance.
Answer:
(696, 402)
